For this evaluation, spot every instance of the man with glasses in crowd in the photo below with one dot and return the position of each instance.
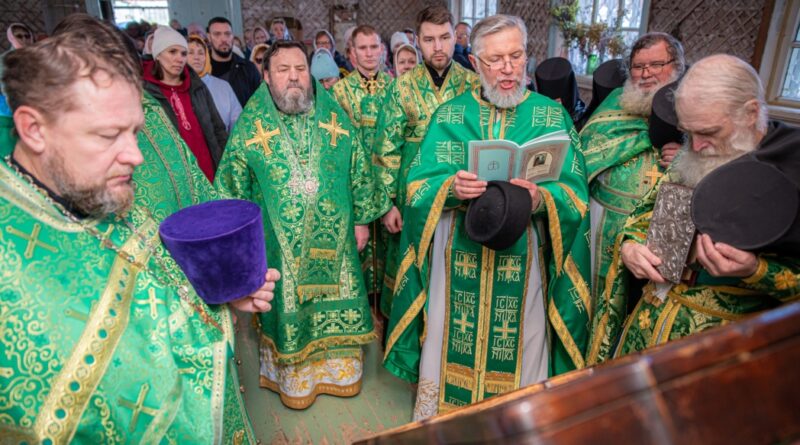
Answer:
(622, 166)
(483, 311)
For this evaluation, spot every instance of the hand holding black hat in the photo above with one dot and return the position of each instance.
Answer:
(668, 152)
(532, 188)
(641, 261)
(259, 300)
(722, 260)
(467, 186)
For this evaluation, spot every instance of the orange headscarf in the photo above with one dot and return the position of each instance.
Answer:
(194, 38)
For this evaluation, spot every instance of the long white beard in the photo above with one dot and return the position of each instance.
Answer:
(637, 101)
(499, 99)
(693, 166)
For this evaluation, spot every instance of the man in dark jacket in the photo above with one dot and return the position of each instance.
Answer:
(240, 73)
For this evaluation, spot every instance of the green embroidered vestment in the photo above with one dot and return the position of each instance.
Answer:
(622, 166)
(410, 103)
(485, 288)
(99, 346)
(310, 174)
(362, 99)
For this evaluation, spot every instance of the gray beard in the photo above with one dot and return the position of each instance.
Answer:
(293, 103)
(636, 101)
(692, 167)
(96, 201)
(499, 99)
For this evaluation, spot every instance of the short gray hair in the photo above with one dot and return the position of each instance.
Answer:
(493, 25)
(726, 81)
(674, 49)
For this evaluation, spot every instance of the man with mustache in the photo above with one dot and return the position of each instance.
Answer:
(469, 321)
(361, 95)
(622, 166)
(720, 104)
(109, 340)
(410, 103)
(243, 76)
(294, 152)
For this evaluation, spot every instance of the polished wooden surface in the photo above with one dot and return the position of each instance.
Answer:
(735, 384)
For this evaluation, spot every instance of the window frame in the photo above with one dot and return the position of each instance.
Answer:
(457, 7)
(775, 60)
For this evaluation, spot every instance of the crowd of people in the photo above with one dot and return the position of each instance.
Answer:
(359, 163)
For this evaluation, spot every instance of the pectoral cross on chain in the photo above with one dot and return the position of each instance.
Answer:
(263, 137)
(334, 129)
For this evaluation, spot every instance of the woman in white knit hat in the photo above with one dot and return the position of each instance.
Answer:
(405, 58)
(186, 99)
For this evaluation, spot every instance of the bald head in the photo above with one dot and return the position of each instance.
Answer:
(726, 83)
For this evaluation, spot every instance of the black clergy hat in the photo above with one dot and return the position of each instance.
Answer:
(609, 76)
(663, 118)
(556, 80)
(749, 205)
(499, 217)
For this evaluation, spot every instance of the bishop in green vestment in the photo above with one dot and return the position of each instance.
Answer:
(361, 95)
(104, 340)
(467, 321)
(403, 121)
(622, 166)
(296, 154)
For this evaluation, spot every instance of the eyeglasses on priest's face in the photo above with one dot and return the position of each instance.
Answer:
(652, 68)
(497, 63)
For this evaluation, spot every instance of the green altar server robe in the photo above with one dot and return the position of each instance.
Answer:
(704, 301)
(103, 338)
(310, 174)
(622, 166)
(362, 99)
(410, 103)
(480, 351)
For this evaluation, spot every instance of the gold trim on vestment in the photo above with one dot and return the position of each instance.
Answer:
(64, 405)
(412, 188)
(22, 194)
(563, 333)
(759, 274)
(579, 283)
(320, 346)
(405, 264)
(462, 377)
(166, 414)
(526, 283)
(660, 333)
(320, 388)
(611, 116)
(433, 219)
(579, 204)
(484, 321)
(602, 326)
(405, 320)
(555, 229)
(626, 327)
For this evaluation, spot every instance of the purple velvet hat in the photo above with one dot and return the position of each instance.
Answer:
(220, 247)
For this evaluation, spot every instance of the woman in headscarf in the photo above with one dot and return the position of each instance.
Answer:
(405, 58)
(186, 99)
(324, 69)
(257, 56)
(225, 99)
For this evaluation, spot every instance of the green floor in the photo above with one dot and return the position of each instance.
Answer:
(385, 402)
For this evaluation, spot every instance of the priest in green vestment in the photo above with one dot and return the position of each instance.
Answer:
(720, 104)
(296, 154)
(361, 95)
(407, 111)
(469, 322)
(104, 339)
(622, 166)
